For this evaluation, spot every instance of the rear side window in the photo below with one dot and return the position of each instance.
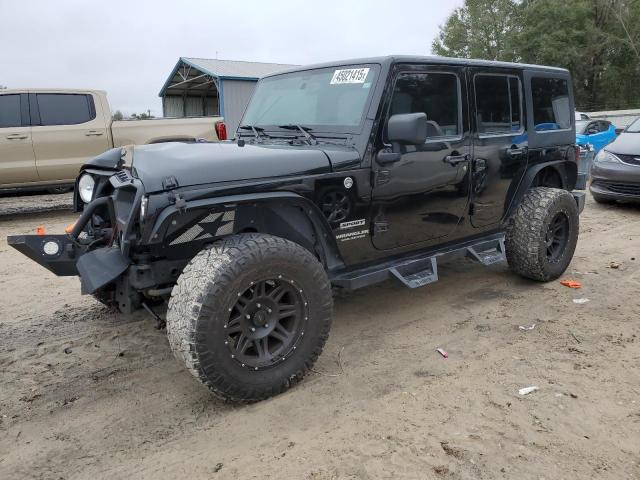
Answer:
(550, 103)
(498, 104)
(10, 111)
(436, 94)
(65, 109)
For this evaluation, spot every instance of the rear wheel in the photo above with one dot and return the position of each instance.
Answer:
(250, 315)
(542, 234)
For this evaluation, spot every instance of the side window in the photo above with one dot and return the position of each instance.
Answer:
(550, 103)
(498, 104)
(65, 109)
(10, 111)
(436, 94)
(604, 126)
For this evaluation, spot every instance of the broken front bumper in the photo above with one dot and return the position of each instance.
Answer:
(57, 253)
(64, 257)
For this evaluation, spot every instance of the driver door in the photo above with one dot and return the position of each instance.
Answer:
(423, 196)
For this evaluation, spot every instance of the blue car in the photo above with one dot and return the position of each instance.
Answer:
(598, 133)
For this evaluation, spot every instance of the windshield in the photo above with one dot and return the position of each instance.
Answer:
(327, 99)
(634, 127)
(581, 125)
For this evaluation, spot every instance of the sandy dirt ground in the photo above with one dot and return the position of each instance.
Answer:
(88, 394)
(12, 204)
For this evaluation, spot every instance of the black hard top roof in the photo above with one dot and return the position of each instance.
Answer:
(390, 59)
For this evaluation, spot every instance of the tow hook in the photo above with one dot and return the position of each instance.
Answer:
(160, 323)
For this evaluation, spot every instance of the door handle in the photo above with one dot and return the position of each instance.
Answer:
(516, 152)
(456, 159)
(17, 136)
(93, 133)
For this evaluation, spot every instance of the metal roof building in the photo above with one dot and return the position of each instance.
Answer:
(202, 87)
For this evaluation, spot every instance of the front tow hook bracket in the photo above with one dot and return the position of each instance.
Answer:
(160, 323)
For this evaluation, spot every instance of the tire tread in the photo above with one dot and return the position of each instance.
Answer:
(206, 276)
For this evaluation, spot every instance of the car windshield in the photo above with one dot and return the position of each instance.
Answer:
(581, 126)
(634, 127)
(327, 99)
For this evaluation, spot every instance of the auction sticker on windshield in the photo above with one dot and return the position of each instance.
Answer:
(349, 75)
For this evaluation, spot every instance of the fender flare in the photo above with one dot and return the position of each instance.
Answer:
(285, 214)
(567, 170)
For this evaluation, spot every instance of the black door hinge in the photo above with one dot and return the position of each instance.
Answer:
(382, 177)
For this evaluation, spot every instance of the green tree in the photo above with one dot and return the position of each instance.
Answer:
(118, 115)
(142, 116)
(480, 29)
(597, 40)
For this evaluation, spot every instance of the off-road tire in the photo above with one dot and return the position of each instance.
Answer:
(208, 288)
(526, 249)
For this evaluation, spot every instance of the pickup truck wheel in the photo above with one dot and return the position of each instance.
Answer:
(250, 316)
(542, 234)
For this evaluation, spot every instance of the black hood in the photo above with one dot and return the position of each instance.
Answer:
(202, 163)
(625, 144)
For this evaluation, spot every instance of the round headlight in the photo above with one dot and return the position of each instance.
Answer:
(85, 187)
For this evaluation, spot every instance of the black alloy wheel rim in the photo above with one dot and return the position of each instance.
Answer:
(266, 322)
(336, 206)
(557, 236)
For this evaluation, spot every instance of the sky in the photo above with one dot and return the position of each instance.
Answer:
(129, 48)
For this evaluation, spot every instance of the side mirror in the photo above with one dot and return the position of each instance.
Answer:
(407, 128)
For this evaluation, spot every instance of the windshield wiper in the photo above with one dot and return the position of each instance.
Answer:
(311, 140)
(258, 132)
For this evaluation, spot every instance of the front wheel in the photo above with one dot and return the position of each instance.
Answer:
(542, 234)
(250, 315)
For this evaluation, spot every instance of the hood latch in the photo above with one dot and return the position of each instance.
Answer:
(169, 183)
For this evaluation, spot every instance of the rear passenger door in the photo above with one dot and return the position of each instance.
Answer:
(66, 133)
(17, 160)
(500, 142)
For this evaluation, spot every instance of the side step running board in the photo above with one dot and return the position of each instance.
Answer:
(488, 256)
(417, 271)
(413, 276)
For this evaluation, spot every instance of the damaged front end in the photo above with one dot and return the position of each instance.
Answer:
(104, 247)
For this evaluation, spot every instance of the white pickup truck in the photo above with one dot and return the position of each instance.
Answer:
(46, 135)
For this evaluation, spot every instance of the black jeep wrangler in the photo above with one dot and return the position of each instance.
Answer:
(340, 175)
